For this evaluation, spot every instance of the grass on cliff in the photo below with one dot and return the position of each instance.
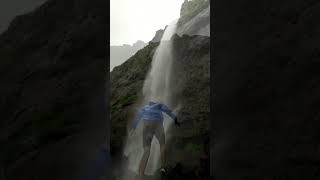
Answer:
(122, 102)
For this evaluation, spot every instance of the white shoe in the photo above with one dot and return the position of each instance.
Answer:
(163, 170)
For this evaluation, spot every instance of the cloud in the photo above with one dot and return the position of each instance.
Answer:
(140, 19)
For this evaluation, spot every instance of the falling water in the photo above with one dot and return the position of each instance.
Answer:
(156, 86)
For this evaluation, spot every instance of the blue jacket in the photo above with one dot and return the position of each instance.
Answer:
(152, 112)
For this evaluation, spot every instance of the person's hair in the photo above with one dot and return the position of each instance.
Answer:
(155, 99)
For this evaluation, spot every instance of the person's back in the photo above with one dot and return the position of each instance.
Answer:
(152, 117)
(153, 112)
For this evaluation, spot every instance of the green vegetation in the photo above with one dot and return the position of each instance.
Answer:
(192, 148)
(39, 130)
(123, 101)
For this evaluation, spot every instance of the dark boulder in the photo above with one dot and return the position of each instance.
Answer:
(53, 101)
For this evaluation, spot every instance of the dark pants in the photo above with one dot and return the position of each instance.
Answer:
(150, 129)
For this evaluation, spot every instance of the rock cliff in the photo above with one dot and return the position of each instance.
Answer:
(53, 97)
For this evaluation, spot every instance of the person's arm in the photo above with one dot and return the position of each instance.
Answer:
(165, 109)
(137, 119)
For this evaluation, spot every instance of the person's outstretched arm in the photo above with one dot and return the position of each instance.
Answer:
(165, 109)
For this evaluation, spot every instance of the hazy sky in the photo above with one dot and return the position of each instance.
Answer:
(132, 20)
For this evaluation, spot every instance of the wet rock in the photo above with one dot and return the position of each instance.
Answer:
(266, 83)
(54, 69)
(158, 36)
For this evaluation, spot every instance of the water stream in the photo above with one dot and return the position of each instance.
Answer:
(156, 87)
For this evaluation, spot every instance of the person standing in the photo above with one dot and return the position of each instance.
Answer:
(152, 117)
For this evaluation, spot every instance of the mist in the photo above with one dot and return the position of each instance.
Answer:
(140, 19)
(156, 86)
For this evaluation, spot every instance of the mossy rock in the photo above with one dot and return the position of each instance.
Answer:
(192, 148)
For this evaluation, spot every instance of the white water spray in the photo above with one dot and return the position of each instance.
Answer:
(156, 86)
(157, 83)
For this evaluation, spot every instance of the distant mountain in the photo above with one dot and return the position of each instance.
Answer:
(119, 54)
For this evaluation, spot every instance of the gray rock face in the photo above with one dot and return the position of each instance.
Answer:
(266, 84)
(53, 101)
(198, 23)
(158, 36)
(126, 88)
(191, 78)
(190, 75)
(11, 8)
(192, 7)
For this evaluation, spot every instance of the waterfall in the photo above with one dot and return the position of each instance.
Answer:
(156, 86)
(157, 83)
